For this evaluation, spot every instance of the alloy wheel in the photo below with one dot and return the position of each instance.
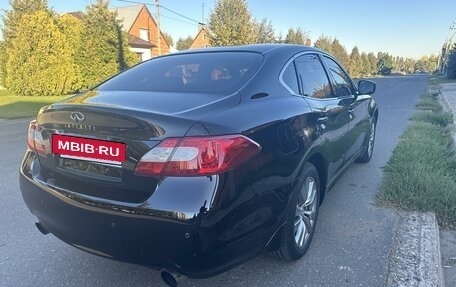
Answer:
(305, 214)
(370, 146)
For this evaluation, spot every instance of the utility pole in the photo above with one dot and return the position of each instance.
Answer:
(452, 28)
(202, 19)
(448, 47)
(157, 7)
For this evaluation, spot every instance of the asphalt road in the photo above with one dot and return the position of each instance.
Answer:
(350, 247)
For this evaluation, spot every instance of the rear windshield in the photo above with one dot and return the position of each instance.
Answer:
(214, 72)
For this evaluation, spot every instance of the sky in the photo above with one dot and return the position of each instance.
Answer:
(406, 28)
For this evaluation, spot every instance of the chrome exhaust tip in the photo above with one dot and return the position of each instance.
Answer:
(171, 278)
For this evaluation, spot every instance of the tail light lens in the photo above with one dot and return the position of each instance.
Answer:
(196, 156)
(35, 141)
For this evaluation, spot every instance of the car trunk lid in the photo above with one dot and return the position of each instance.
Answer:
(121, 137)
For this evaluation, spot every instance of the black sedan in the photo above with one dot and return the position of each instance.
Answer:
(197, 161)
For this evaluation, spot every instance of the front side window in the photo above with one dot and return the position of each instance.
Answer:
(341, 82)
(215, 72)
(312, 76)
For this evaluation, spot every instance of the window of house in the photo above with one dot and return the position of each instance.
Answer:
(144, 34)
(312, 76)
(139, 57)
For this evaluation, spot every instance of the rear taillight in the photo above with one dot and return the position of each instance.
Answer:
(35, 141)
(195, 156)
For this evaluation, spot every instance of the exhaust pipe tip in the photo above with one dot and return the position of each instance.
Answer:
(41, 228)
(171, 278)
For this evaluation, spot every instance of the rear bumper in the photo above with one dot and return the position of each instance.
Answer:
(151, 237)
(143, 239)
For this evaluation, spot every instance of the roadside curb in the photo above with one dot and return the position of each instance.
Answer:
(415, 258)
(444, 101)
(5, 121)
(447, 106)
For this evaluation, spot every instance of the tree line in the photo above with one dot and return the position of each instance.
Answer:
(43, 53)
(362, 64)
(231, 23)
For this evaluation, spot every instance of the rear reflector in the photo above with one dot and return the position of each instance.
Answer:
(196, 156)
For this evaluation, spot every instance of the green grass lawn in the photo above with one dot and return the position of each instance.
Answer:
(421, 173)
(13, 106)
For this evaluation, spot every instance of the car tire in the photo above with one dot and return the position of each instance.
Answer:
(369, 147)
(298, 231)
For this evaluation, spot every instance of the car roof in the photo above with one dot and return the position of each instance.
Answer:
(258, 48)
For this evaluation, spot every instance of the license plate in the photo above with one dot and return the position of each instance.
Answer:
(88, 149)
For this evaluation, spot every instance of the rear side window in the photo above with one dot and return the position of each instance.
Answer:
(289, 78)
(312, 76)
(341, 82)
(214, 72)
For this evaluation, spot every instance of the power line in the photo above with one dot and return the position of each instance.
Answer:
(163, 7)
(179, 14)
(161, 15)
(134, 2)
(182, 21)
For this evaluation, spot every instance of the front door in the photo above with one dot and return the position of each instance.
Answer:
(329, 114)
(356, 106)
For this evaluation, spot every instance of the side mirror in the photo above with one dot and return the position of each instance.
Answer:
(366, 87)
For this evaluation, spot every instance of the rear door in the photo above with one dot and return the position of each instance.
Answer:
(330, 115)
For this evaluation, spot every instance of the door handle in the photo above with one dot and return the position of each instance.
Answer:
(321, 126)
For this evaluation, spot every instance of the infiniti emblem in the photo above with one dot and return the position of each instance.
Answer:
(77, 117)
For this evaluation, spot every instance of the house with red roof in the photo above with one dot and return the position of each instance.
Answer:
(202, 38)
(143, 35)
(142, 31)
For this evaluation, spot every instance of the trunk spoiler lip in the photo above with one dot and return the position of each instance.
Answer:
(108, 99)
